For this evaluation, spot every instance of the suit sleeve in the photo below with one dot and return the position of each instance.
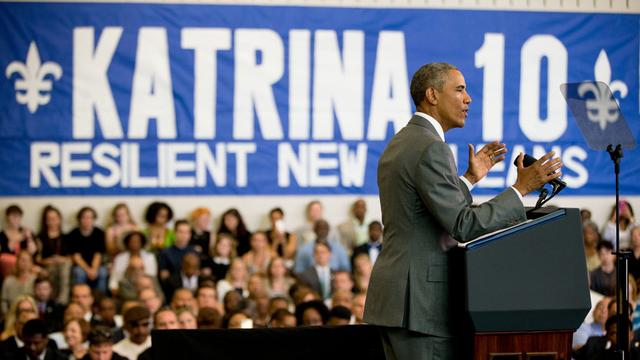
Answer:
(447, 199)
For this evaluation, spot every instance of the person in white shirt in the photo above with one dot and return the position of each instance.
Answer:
(137, 323)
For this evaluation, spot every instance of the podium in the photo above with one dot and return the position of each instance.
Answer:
(526, 287)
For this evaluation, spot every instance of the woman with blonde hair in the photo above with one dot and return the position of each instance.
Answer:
(20, 282)
(23, 303)
(222, 254)
(237, 279)
(278, 280)
(121, 224)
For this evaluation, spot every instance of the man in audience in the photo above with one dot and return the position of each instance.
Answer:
(137, 324)
(163, 319)
(10, 347)
(186, 278)
(282, 318)
(128, 284)
(339, 259)
(107, 316)
(87, 244)
(183, 298)
(206, 297)
(342, 297)
(339, 315)
(36, 343)
(595, 328)
(150, 299)
(170, 259)
(342, 280)
(101, 346)
(81, 294)
(603, 278)
(374, 244)
(48, 309)
(353, 232)
(318, 276)
(604, 347)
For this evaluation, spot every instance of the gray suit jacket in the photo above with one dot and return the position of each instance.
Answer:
(424, 201)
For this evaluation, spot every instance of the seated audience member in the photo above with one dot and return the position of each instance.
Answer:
(283, 243)
(339, 259)
(282, 318)
(595, 328)
(604, 347)
(342, 298)
(634, 261)
(302, 293)
(200, 235)
(101, 346)
(158, 233)
(277, 303)
(258, 258)
(108, 317)
(73, 311)
(187, 320)
(278, 280)
(20, 282)
(48, 309)
(75, 333)
(627, 222)
(585, 215)
(342, 280)
(137, 322)
(231, 223)
(339, 315)
(257, 284)
(358, 307)
(233, 302)
(206, 297)
(313, 212)
(318, 276)
(163, 319)
(183, 298)
(261, 314)
(13, 238)
(81, 294)
(187, 277)
(372, 246)
(150, 298)
(170, 258)
(238, 320)
(603, 278)
(362, 268)
(134, 244)
(54, 254)
(354, 231)
(21, 304)
(86, 243)
(10, 347)
(127, 287)
(237, 279)
(224, 251)
(209, 318)
(36, 343)
(122, 223)
(591, 238)
(312, 313)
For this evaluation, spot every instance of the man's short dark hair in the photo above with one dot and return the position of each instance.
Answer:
(431, 75)
(604, 244)
(340, 312)
(276, 210)
(135, 314)
(85, 209)
(13, 209)
(613, 320)
(34, 327)
(324, 243)
(375, 223)
(100, 335)
(279, 315)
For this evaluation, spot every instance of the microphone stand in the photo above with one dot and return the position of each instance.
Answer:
(622, 267)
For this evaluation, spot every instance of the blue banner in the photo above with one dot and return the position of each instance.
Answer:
(116, 99)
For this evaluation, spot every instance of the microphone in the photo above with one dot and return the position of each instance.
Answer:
(528, 160)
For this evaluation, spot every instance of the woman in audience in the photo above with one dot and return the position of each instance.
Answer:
(627, 221)
(75, 333)
(362, 272)
(87, 246)
(231, 222)
(121, 224)
(634, 261)
(237, 279)
(282, 242)
(279, 282)
(14, 237)
(158, 232)
(187, 319)
(54, 253)
(23, 303)
(258, 258)
(312, 313)
(200, 234)
(223, 253)
(134, 243)
(20, 283)
(591, 238)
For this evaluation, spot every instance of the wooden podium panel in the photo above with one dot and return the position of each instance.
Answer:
(554, 345)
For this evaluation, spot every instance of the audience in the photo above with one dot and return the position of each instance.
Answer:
(354, 232)
(13, 238)
(121, 224)
(54, 253)
(76, 332)
(158, 232)
(101, 346)
(137, 325)
(603, 278)
(283, 243)
(19, 282)
(231, 223)
(133, 244)
(87, 244)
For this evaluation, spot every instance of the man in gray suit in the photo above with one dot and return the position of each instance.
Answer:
(426, 207)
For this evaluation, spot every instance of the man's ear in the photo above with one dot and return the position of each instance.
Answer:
(431, 96)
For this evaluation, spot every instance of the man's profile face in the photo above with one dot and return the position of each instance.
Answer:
(453, 101)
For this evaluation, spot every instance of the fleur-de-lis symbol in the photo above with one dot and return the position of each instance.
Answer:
(602, 109)
(32, 88)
